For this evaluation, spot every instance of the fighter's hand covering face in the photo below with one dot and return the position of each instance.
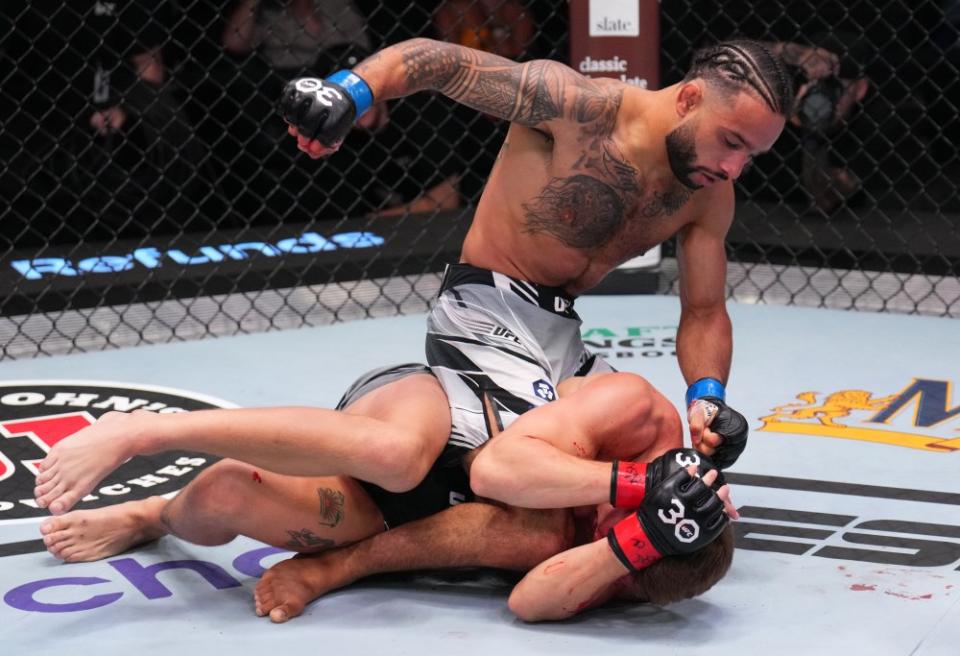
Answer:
(679, 516)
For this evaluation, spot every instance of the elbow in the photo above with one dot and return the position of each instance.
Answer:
(485, 478)
(527, 610)
(492, 475)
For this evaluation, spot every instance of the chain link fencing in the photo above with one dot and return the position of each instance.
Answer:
(150, 192)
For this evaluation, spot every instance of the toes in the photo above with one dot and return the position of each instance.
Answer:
(44, 487)
(57, 550)
(52, 525)
(50, 497)
(58, 538)
(262, 600)
(71, 554)
(64, 502)
(279, 615)
(58, 507)
(47, 472)
(47, 464)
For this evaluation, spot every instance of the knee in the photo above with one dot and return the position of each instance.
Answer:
(405, 463)
(221, 491)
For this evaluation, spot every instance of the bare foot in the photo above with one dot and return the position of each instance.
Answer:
(85, 535)
(78, 462)
(287, 587)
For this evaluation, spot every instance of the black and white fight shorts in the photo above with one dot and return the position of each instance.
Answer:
(445, 485)
(494, 338)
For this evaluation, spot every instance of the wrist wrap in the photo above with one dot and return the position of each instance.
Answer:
(628, 484)
(355, 86)
(706, 387)
(631, 545)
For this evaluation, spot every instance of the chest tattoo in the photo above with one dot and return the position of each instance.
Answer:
(602, 194)
(581, 211)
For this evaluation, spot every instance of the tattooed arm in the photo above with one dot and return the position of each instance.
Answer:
(535, 94)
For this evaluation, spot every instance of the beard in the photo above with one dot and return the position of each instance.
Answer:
(682, 154)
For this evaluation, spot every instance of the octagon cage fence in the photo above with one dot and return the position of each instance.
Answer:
(152, 194)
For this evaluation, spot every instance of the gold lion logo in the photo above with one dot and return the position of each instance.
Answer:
(837, 405)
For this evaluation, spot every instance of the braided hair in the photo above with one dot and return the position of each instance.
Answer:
(736, 66)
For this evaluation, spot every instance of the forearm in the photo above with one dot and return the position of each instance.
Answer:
(705, 344)
(572, 581)
(556, 455)
(529, 472)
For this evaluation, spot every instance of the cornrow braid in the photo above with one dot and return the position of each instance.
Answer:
(736, 65)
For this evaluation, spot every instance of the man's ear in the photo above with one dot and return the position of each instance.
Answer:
(689, 98)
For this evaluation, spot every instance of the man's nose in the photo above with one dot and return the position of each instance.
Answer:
(733, 166)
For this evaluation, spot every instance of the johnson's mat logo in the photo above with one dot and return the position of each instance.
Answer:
(35, 415)
(920, 416)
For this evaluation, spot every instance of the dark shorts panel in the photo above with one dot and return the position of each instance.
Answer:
(446, 483)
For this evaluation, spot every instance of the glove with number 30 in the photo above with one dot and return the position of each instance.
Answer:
(629, 481)
(679, 516)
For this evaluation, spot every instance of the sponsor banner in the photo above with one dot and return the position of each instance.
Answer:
(35, 415)
(56, 278)
(618, 39)
(614, 17)
(624, 342)
(921, 415)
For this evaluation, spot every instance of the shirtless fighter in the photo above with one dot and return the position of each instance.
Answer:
(592, 173)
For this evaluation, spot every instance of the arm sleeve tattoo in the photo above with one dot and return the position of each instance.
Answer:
(530, 93)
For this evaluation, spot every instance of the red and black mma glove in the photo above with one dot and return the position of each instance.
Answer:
(679, 516)
(708, 395)
(629, 481)
(325, 109)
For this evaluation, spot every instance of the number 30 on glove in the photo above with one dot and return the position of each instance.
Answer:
(679, 516)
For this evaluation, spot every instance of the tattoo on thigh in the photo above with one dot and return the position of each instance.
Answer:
(305, 538)
(331, 506)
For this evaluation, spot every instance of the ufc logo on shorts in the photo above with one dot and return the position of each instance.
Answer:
(686, 530)
(324, 95)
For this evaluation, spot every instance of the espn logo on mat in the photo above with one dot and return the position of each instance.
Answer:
(35, 415)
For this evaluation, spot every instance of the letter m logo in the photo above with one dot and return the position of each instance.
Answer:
(930, 400)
